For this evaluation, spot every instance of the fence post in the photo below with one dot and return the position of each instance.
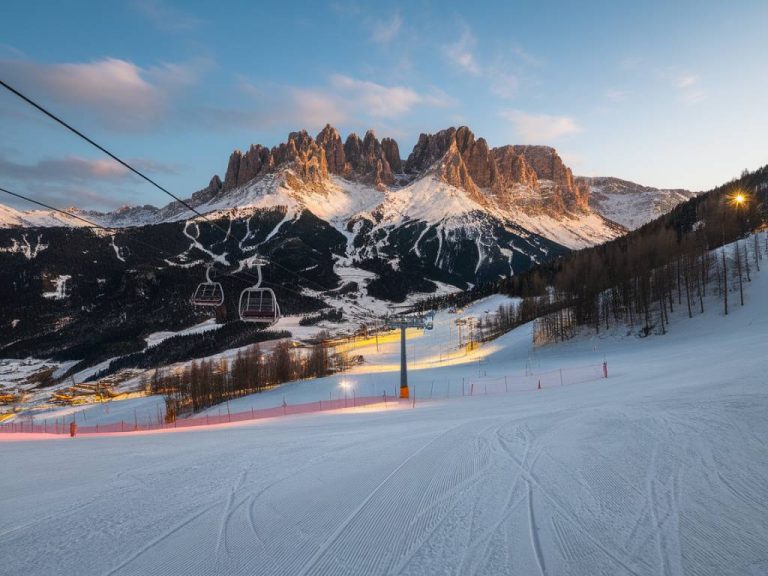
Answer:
(462, 386)
(471, 388)
(229, 414)
(414, 396)
(285, 406)
(72, 429)
(561, 376)
(385, 398)
(605, 369)
(539, 386)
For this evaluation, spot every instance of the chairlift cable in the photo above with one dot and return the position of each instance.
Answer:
(80, 134)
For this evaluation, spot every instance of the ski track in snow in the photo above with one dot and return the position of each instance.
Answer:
(659, 470)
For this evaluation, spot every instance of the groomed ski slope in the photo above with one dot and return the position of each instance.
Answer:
(660, 469)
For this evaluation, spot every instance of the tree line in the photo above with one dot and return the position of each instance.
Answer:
(639, 279)
(206, 383)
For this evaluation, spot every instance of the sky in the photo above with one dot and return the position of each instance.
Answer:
(663, 93)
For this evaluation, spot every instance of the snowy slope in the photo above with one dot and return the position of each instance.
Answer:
(661, 469)
(630, 204)
(426, 199)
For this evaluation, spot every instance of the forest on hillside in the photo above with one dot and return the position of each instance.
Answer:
(638, 279)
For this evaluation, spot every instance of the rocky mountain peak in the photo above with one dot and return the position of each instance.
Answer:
(548, 165)
(392, 154)
(244, 167)
(530, 177)
(329, 140)
(367, 161)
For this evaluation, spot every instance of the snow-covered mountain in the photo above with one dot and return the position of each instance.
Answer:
(344, 224)
(630, 204)
(448, 176)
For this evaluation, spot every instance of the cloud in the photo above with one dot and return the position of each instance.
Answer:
(502, 74)
(685, 80)
(81, 170)
(383, 32)
(688, 87)
(461, 52)
(504, 85)
(539, 128)
(68, 195)
(616, 95)
(342, 99)
(378, 100)
(686, 84)
(118, 94)
(630, 63)
(166, 18)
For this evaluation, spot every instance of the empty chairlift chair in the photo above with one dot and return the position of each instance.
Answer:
(257, 304)
(208, 293)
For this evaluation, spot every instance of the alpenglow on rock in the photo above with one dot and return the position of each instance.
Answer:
(532, 178)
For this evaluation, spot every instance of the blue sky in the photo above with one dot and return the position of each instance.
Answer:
(664, 93)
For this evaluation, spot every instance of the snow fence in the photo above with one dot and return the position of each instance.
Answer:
(483, 385)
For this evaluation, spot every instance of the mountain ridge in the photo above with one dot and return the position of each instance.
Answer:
(516, 182)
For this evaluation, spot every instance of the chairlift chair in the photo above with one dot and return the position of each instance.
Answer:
(208, 293)
(257, 304)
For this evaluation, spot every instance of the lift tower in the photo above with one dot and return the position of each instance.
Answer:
(404, 321)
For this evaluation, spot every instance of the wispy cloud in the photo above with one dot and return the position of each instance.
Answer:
(631, 62)
(540, 128)
(81, 170)
(77, 181)
(502, 75)
(118, 94)
(616, 95)
(504, 84)
(166, 18)
(385, 101)
(461, 52)
(342, 99)
(687, 84)
(384, 31)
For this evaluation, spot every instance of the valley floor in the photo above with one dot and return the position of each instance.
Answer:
(660, 469)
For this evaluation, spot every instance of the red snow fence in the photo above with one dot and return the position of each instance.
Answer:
(551, 379)
(73, 429)
(480, 386)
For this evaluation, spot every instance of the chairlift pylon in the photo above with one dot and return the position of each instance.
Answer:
(208, 293)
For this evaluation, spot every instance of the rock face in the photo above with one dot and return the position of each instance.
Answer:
(549, 166)
(392, 154)
(209, 192)
(301, 150)
(367, 161)
(533, 178)
(244, 167)
(514, 177)
(330, 141)
(429, 149)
